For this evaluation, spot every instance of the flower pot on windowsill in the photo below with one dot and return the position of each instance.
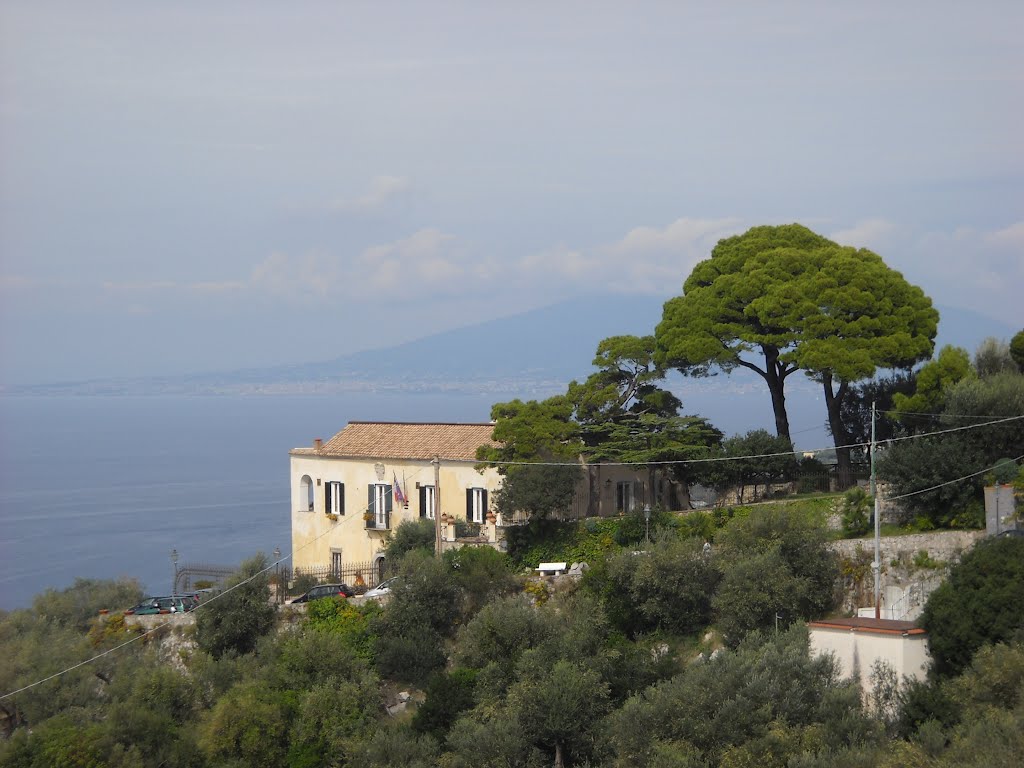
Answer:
(333, 518)
(491, 518)
(368, 517)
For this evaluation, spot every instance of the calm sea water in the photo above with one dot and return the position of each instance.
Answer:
(103, 487)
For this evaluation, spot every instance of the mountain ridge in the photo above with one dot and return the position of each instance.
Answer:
(538, 351)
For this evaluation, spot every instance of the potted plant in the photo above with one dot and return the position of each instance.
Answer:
(368, 516)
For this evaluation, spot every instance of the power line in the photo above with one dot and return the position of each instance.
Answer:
(576, 463)
(712, 459)
(201, 606)
(949, 482)
(942, 415)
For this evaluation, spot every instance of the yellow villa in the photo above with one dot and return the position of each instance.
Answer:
(348, 493)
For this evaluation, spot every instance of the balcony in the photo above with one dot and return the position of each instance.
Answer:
(375, 523)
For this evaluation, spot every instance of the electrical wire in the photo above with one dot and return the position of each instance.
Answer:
(543, 463)
(948, 482)
(201, 606)
(942, 415)
(713, 459)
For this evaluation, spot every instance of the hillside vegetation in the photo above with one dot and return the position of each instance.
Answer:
(664, 654)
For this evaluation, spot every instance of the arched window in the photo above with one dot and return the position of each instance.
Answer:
(306, 484)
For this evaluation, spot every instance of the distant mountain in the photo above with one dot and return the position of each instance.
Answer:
(967, 328)
(537, 352)
(540, 350)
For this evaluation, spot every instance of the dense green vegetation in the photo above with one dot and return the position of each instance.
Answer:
(623, 668)
(683, 646)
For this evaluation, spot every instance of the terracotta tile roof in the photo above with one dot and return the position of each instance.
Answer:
(398, 440)
(870, 625)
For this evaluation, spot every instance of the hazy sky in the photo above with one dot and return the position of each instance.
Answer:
(195, 185)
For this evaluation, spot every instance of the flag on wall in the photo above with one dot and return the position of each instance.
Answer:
(399, 495)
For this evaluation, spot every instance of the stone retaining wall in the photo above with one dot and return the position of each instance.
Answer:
(905, 584)
(151, 620)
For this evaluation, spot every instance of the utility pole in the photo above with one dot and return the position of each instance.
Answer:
(437, 505)
(876, 566)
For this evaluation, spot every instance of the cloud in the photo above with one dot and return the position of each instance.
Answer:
(11, 284)
(1010, 237)
(428, 258)
(217, 288)
(646, 260)
(382, 191)
(867, 233)
(974, 269)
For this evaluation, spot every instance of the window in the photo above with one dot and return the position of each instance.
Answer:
(335, 563)
(306, 490)
(624, 499)
(334, 498)
(427, 501)
(378, 505)
(476, 504)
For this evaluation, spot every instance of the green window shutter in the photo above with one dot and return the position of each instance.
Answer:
(389, 497)
(423, 501)
(469, 505)
(371, 507)
(327, 498)
(341, 498)
(485, 509)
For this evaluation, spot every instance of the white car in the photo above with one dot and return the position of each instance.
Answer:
(384, 588)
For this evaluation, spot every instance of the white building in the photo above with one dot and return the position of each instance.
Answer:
(858, 643)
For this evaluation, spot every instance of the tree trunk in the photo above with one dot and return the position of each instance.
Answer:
(775, 377)
(840, 437)
(559, 759)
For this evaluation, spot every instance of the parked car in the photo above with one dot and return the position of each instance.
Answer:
(324, 590)
(384, 588)
(169, 604)
(189, 601)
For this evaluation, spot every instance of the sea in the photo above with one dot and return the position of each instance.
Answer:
(105, 487)
(102, 487)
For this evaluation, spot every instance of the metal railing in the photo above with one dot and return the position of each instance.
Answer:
(358, 575)
(186, 576)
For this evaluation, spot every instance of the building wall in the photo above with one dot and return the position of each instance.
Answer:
(857, 651)
(315, 535)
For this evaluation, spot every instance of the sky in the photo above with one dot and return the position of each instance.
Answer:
(196, 186)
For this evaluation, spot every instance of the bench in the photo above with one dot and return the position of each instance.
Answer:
(550, 569)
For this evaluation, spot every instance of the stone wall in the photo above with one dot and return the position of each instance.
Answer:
(946, 546)
(913, 566)
(152, 620)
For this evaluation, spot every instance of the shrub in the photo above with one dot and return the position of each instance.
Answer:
(668, 587)
(800, 538)
(77, 605)
(423, 610)
(338, 616)
(981, 602)
(448, 695)
(240, 616)
(409, 535)
(482, 573)
(854, 512)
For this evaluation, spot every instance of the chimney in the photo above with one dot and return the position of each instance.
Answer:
(318, 443)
